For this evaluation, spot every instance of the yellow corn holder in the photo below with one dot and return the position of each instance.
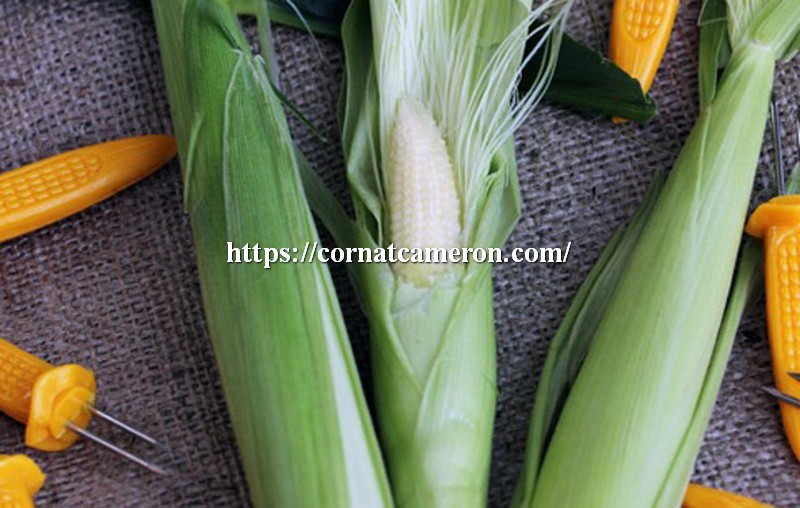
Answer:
(640, 31)
(55, 403)
(44, 397)
(49, 190)
(778, 223)
(698, 496)
(20, 480)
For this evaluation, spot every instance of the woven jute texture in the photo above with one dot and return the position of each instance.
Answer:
(115, 288)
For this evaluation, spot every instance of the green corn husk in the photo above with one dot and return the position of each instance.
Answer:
(633, 373)
(431, 90)
(292, 389)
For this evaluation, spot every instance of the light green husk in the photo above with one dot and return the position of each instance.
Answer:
(433, 349)
(292, 389)
(633, 373)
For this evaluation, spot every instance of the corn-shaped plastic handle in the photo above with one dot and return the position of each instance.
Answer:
(44, 192)
(44, 397)
(698, 496)
(640, 31)
(20, 480)
(18, 372)
(778, 223)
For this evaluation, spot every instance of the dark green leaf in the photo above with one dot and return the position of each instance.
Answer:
(323, 17)
(588, 81)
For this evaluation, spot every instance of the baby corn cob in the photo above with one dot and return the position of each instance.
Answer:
(423, 201)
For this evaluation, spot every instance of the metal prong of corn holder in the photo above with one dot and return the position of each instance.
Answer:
(116, 449)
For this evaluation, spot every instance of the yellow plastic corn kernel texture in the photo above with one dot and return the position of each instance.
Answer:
(44, 192)
(778, 223)
(640, 31)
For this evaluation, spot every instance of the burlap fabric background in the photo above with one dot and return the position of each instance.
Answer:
(115, 288)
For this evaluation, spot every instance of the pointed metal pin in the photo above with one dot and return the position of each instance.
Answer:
(797, 132)
(777, 146)
(781, 396)
(124, 426)
(794, 375)
(116, 449)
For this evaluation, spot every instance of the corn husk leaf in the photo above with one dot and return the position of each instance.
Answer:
(293, 392)
(714, 49)
(571, 342)
(651, 372)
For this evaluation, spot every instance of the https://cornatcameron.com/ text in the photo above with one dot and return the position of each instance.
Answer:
(312, 252)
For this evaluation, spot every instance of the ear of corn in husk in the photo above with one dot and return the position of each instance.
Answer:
(428, 122)
(644, 361)
(289, 378)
